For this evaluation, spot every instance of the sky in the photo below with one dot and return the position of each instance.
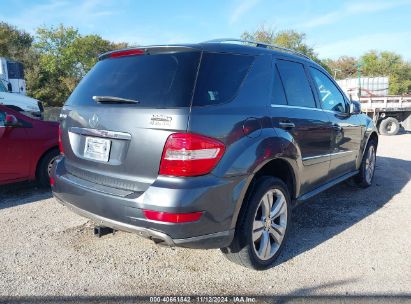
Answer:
(333, 27)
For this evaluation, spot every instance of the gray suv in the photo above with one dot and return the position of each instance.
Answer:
(208, 145)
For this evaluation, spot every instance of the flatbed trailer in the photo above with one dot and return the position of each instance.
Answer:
(389, 113)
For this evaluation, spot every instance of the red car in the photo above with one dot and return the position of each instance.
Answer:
(28, 147)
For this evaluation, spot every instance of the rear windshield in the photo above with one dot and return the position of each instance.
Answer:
(165, 80)
(161, 81)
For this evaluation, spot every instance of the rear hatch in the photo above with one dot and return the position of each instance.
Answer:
(117, 120)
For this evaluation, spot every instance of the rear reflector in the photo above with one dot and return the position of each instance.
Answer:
(126, 53)
(172, 217)
(187, 154)
(60, 142)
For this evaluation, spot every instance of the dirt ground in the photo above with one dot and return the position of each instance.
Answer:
(346, 241)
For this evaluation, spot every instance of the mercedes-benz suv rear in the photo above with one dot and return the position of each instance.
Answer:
(130, 161)
(208, 145)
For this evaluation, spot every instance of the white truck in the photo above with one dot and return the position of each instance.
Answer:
(12, 75)
(389, 113)
(21, 103)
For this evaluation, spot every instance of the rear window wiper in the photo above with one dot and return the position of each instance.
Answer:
(113, 99)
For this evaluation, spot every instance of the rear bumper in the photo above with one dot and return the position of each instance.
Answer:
(112, 208)
(213, 240)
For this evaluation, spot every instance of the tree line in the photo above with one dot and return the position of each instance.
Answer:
(56, 58)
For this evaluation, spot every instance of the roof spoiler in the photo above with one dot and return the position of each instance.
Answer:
(257, 44)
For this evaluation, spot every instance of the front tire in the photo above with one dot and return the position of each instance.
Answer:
(367, 168)
(262, 226)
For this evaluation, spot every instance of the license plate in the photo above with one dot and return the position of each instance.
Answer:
(97, 149)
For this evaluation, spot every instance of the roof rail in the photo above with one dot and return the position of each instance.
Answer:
(257, 44)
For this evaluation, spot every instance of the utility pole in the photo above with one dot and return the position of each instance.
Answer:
(335, 73)
(359, 78)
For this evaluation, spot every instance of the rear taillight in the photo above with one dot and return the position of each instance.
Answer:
(60, 143)
(187, 154)
(172, 217)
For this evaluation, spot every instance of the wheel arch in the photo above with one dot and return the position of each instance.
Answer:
(42, 157)
(281, 168)
(373, 135)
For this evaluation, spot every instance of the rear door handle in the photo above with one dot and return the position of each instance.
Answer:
(286, 124)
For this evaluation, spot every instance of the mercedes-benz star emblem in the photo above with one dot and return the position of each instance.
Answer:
(93, 121)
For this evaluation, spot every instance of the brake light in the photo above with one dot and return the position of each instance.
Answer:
(126, 53)
(60, 142)
(172, 217)
(187, 154)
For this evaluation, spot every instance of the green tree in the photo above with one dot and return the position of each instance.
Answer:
(14, 43)
(285, 38)
(64, 57)
(388, 64)
(343, 67)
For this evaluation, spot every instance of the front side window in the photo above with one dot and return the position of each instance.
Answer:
(2, 87)
(15, 70)
(296, 85)
(330, 97)
(2, 118)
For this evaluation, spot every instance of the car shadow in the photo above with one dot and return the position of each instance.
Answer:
(342, 206)
(13, 195)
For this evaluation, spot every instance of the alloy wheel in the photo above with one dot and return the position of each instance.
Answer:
(270, 223)
(50, 165)
(370, 164)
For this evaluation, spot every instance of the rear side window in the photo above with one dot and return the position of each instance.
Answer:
(157, 81)
(220, 77)
(278, 96)
(296, 85)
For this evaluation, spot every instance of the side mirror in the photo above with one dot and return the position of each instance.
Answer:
(11, 121)
(355, 107)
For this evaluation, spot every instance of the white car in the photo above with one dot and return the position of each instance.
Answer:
(21, 103)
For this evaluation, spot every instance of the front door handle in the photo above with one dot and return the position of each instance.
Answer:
(286, 124)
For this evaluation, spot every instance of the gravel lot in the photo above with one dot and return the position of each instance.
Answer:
(346, 241)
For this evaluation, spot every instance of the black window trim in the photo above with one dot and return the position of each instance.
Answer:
(273, 71)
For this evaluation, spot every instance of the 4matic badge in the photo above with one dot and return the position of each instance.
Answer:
(161, 120)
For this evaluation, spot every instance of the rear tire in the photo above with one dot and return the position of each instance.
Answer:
(44, 167)
(259, 238)
(367, 168)
(389, 126)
